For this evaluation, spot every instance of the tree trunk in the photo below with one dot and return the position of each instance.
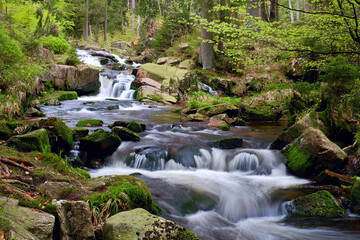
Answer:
(291, 12)
(207, 54)
(90, 33)
(298, 6)
(263, 11)
(105, 21)
(252, 8)
(222, 15)
(274, 10)
(133, 6)
(86, 33)
(97, 26)
(159, 8)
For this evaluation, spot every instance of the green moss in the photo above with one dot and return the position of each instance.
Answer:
(184, 234)
(224, 127)
(72, 95)
(134, 126)
(355, 198)
(126, 134)
(319, 204)
(55, 162)
(177, 111)
(297, 159)
(5, 131)
(79, 132)
(64, 138)
(39, 202)
(33, 141)
(90, 123)
(14, 124)
(83, 173)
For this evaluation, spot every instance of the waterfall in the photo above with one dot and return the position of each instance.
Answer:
(114, 84)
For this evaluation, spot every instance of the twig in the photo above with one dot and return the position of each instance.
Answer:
(11, 162)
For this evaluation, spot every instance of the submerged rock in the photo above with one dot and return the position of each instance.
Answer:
(312, 153)
(75, 220)
(38, 223)
(95, 147)
(319, 204)
(139, 224)
(126, 134)
(60, 135)
(33, 141)
(229, 143)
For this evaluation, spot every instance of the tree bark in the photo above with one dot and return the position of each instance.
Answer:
(291, 12)
(105, 21)
(207, 54)
(133, 6)
(222, 15)
(274, 10)
(86, 32)
(263, 11)
(298, 6)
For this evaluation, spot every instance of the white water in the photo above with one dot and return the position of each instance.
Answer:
(118, 87)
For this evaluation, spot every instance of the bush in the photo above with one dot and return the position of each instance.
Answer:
(55, 44)
(72, 58)
(10, 51)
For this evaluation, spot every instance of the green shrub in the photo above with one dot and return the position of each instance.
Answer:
(10, 51)
(55, 44)
(72, 58)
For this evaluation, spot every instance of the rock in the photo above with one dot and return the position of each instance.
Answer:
(227, 108)
(222, 84)
(5, 131)
(83, 79)
(331, 178)
(183, 46)
(197, 117)
(79, 132)
(355, 198)
(120, 45)
(150, 82)
(134, 126)
(270, 97)
(139, 224)
(173, 61)
(18, 232)
(40, 224)
(90, 123)
(319, 204)
(293, 132)
(75, 220)
(187, 64)
(97, 183)
(95, 147)
(145, 93)
(33, 141)
(229, 143)
(54, 190)
(52, 102)
(311, 153)
(218, 123)
(66, 95)
(162, 60)
(125, 124)
(125, 134)
(33, 112)
(35, 104)
(60, 135)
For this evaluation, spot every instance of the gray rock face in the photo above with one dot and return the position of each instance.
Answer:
(84, 79)
(54, 190)
(139, 224)
(75, 220)
(120, 45)
(40, 224)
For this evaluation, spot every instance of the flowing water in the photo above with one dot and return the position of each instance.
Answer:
(219, 194)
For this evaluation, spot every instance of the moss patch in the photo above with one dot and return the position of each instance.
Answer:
(134, 126)
(90, 123)
(355, 198)
(297, 159)
(33, 141)
(79, 133)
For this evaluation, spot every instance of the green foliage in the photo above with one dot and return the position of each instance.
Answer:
(55, 44)
(72, 58)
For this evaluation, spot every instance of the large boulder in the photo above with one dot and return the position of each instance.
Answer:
(126, 134)
(40, 224)
(33, 141)
(213, 110)
(83, 79)
(319, 204)
(75, 220)
(120, 45)
(294, 131)
(79, 132)
(139, 224)
(311, 153)
(95, 147)
(5, 131)
(355, 198)
(275, 96)
(55, 190)
(161, 73)
(149, 93)
(223, 84)
(229, 143)
(60, 135)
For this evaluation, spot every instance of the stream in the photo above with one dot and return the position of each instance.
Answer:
(216, 193)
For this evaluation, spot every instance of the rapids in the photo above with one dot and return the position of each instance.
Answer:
(218, 194)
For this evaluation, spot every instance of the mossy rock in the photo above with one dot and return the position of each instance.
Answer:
(71, 95)
(5, 131)
(355, 198)
(312, 153)
(228, 108)
(126, 134)
(197, 117)
(33, 141)
(125, 124)
(79, 132)
(224, 127)
(139, 224)
(134, 126)
(97, 146)
(33, 112)
(319, 204)
(60, 135)
(90, 123)
(229, 143)
(13, 124)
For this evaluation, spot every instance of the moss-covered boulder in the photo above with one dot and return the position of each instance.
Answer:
(162, 73)
(5, 131)
(139, 224)
(95, 147)
(66, 95)
(355, 198)
(218, 123)
(90, 123)
(33, 112)
(79, 132)
(126, 134)
(125, 124)
(312, 153)
(33, 141)
(197, 117)
(229, 143)
(227, 108)
(149, 93)
(40, 224)
(60, 135)
(134, 126)
(312, 119)
(319, 204)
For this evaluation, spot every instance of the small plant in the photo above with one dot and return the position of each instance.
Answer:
(72, 58)
(55, 44)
